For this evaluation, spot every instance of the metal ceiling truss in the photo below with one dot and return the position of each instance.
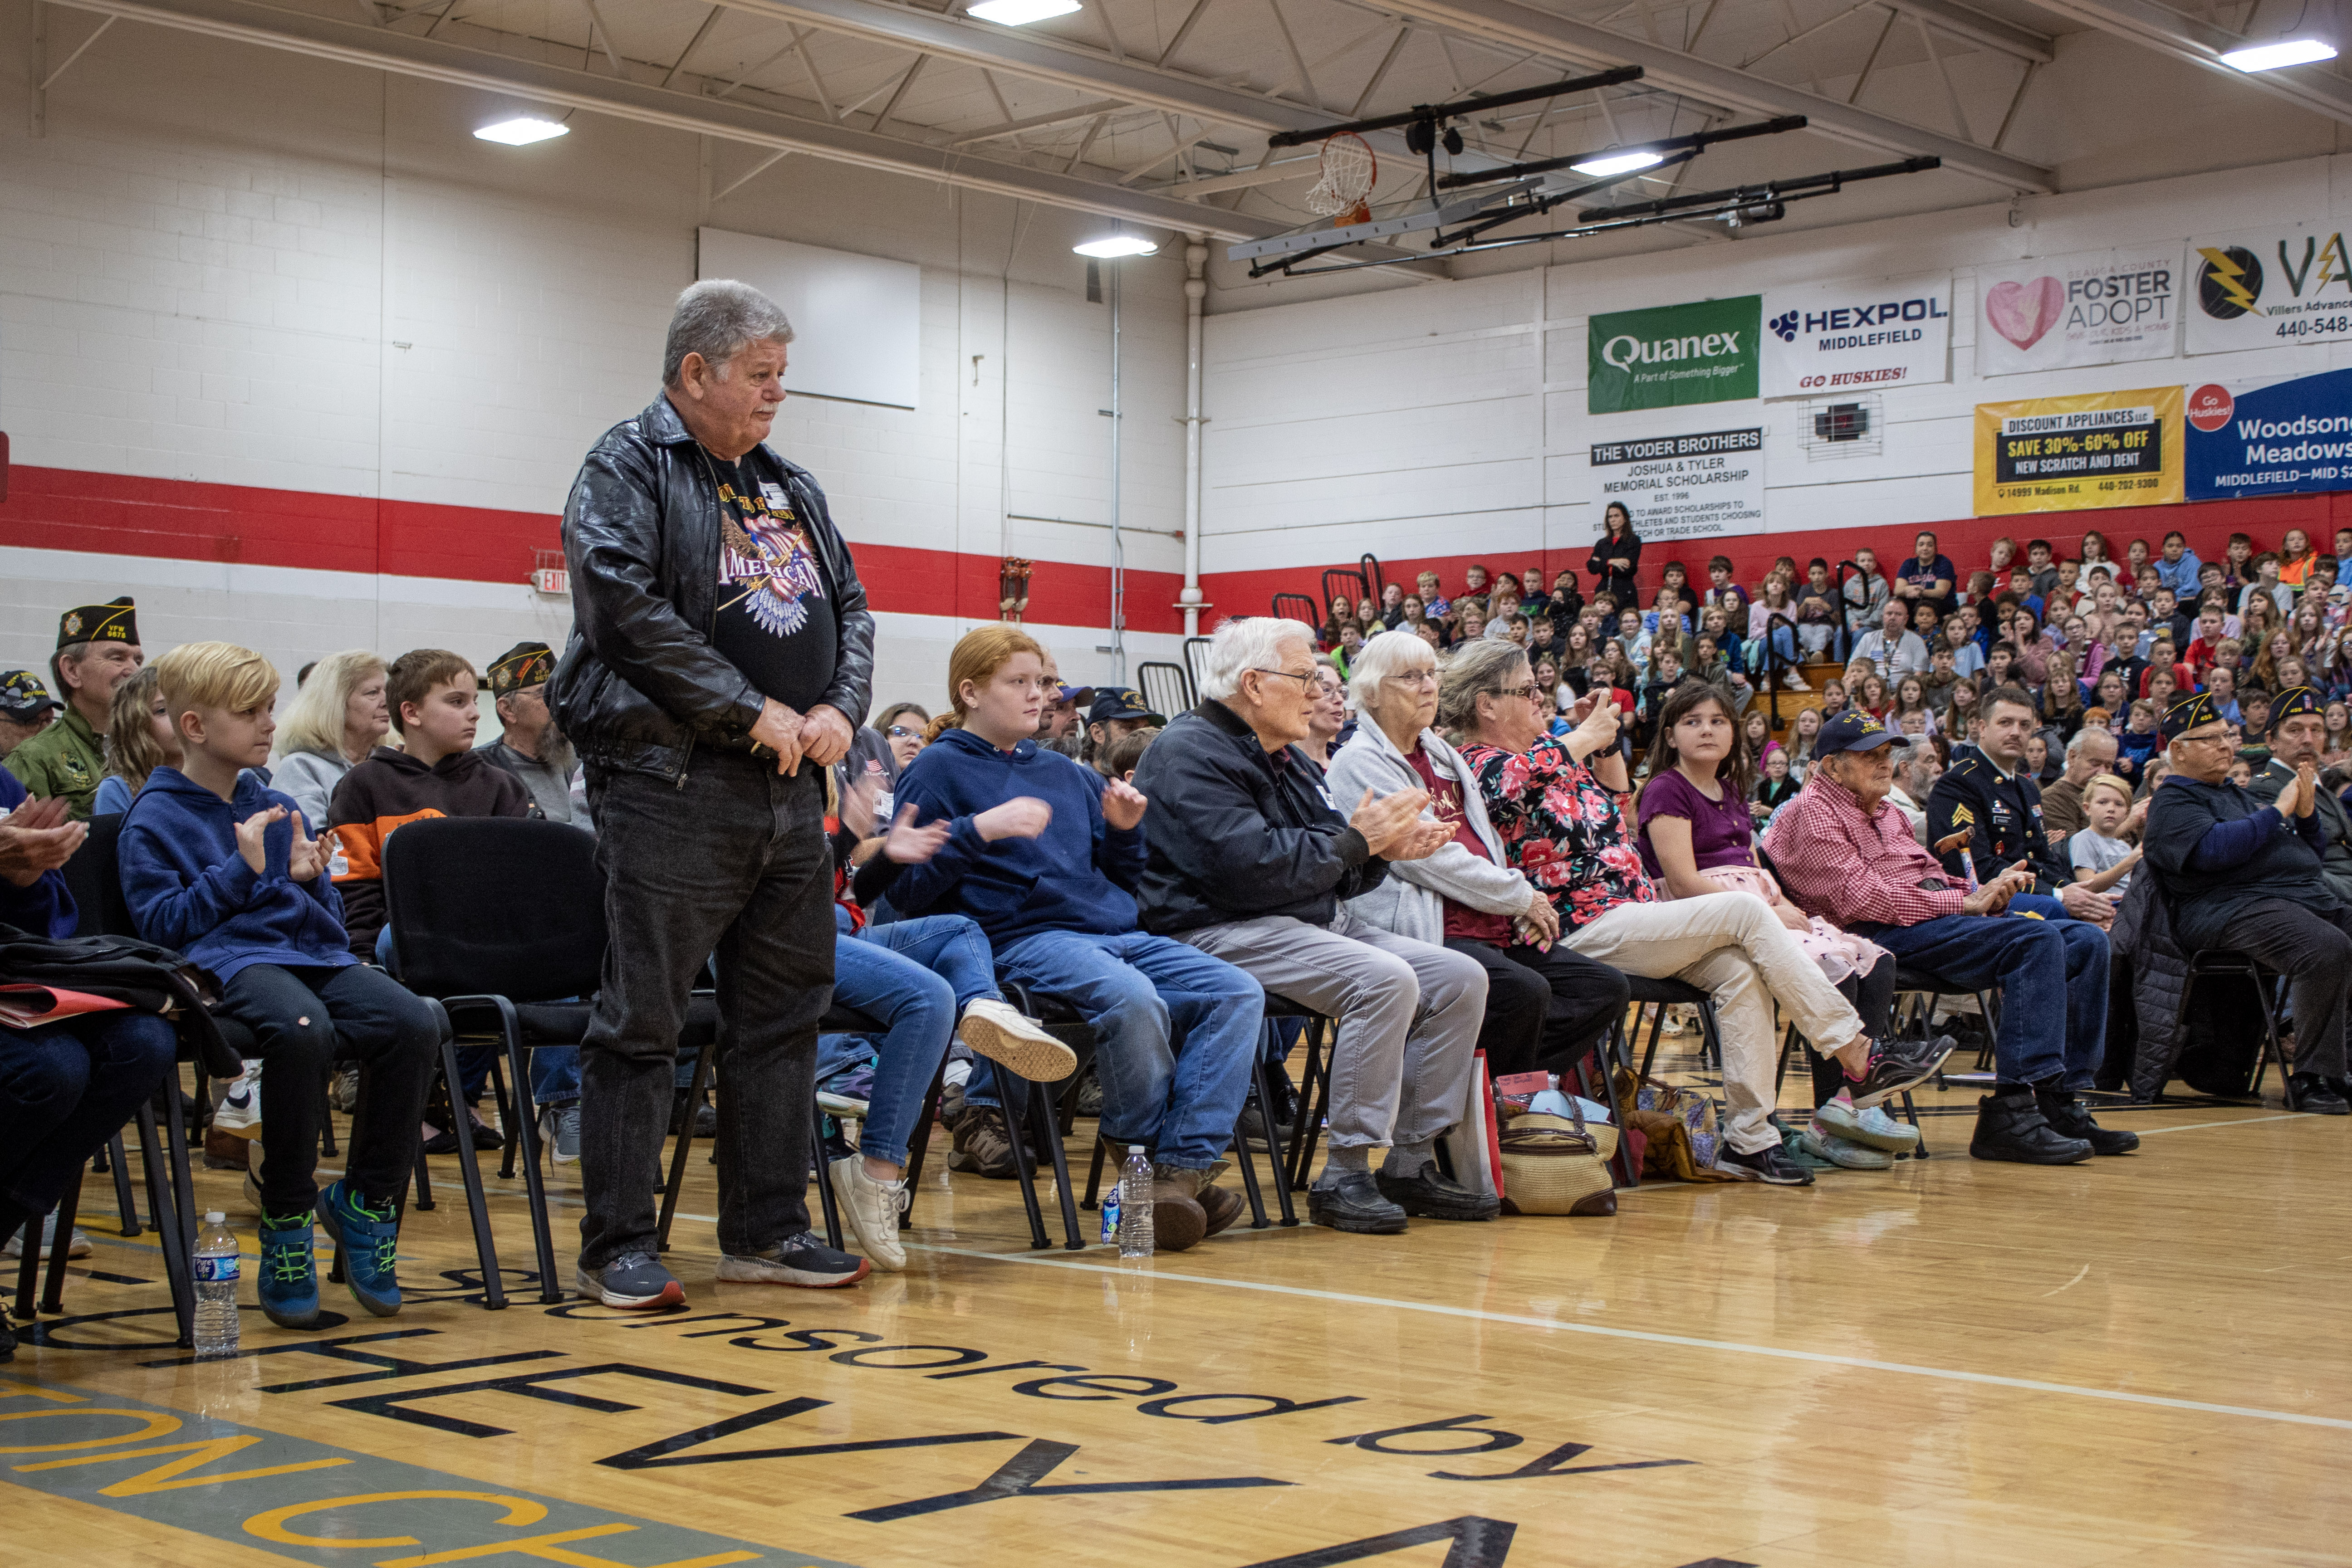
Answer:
(2202, 44)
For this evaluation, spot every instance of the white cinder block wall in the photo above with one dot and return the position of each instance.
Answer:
(227, 265)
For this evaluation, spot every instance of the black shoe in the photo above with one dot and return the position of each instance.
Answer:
(1770, 1164)
(7, 1338)
(1350, 1200)
(2071, 1119)
(1895, 1067)
(1427, 1195)
(2314, 1095)
(2012, 1127)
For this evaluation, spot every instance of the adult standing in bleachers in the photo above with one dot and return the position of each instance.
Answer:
(98, 650)
(721, 655)
(1617, 558)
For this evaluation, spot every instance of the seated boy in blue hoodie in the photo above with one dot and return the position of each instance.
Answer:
(1044, 855)
(224, 868)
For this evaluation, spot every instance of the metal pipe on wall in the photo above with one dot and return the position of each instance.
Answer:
(1196, 255)
(1118, 543)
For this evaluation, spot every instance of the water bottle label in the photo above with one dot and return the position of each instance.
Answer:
(216, 1270)
(1111, 1217)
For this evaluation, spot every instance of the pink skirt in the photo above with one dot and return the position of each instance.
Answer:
(1839, 953)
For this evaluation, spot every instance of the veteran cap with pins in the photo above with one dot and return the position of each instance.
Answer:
(116, 621)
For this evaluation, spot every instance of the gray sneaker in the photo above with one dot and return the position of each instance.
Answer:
(77, 1246)
(800, 1260)
(559, 1130)
(634, 1280)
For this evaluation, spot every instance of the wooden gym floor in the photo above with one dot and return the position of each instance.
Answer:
(2135, 1362)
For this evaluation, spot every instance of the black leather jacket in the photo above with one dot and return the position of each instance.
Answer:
(640, 685)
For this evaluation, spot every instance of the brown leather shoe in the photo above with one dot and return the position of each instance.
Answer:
(1178, 1220)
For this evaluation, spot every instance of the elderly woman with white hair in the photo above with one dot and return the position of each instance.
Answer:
(1545, 1005)
(1251, 861)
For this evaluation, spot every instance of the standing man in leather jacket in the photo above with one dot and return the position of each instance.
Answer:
(722, 657)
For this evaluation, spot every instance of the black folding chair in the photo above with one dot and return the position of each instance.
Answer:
(2225, 963)
(1030, 1113)
(1661, 995)
(500, 920)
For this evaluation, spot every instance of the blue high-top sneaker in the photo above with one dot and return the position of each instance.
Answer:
(367, 1242)
(288, 1282)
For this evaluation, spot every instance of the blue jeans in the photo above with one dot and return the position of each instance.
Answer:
(914, 977)
(66, 1088)
(2052, 975)
(1176, 1031)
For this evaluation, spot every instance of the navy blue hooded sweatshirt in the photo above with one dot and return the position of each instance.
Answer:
(188, 888)
(1079, 874)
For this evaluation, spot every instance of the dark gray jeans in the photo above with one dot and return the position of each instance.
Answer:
(733, 862)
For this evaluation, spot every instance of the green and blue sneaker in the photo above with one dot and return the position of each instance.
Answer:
(288, 1282)
(368, 1236)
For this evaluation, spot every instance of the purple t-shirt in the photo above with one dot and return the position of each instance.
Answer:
(1722, 831)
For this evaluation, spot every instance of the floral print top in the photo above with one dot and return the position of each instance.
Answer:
(1562, 826)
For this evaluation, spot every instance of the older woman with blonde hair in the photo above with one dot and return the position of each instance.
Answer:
(1545, 1005)
(338, 717)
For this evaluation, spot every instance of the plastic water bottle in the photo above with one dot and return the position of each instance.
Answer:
(216, 1270)
(1135, 1203)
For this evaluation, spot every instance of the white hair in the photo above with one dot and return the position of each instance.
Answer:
(1252, 643)
(1390, 653)
(717, 319)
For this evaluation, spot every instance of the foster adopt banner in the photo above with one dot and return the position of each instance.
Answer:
(2072, 454)
(2290, 437)
(1693, 484)
(1824, 338)
(2092, 307)
(2260, 288)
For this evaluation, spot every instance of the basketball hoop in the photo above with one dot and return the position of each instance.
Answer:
(1348, 170)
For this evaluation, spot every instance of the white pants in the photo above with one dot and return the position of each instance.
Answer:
(1732, 945)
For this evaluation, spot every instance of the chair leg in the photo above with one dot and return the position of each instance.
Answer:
(477, 1208)
(922, 1144)
(327, 1147)
(676, 1183)
(824, 1177)
(1094, 1174)
(523, 1132)
(1262, 1086)
(125, 1199)
(1627, 1174)
(1911, 1114)
(1657, 1027)
(1318, 1105)
(1016, 1122)
(184, 1182)
(2273, 1051)
(1248, 1163)
(161, 1204)
(1710, 1037)
(28, 1265)
(53, 1292)
(1044, 1117)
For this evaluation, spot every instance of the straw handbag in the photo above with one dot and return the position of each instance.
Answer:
(1552, 1165)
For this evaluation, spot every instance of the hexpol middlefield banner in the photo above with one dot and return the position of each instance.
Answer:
(2071, 454)
(1673, 355)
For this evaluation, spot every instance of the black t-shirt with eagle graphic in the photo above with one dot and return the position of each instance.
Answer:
(775, 620)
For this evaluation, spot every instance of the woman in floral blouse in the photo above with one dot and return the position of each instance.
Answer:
(1560, 823)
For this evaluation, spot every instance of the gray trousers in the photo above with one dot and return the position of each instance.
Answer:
(2313, 951)
(733, 862)
(1408, 1018)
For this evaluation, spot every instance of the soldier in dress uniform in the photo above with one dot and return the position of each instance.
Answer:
(98, 650)
(1988, 795)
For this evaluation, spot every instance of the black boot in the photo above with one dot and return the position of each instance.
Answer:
(2071, 1119)
(2011, 1126)
(2313, 1094)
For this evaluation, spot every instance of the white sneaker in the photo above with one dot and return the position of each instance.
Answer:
(873, 1207)
(239, 1112)
(78, 1247)
(1001, 1033)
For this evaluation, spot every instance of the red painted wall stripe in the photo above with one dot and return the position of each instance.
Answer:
(1967, 541)
(181, 520)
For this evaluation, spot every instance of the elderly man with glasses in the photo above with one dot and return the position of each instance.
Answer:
(1253, 861)
(2239, 874)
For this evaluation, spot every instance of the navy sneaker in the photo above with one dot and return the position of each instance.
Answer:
(288, 1283)
(368, 1238)
(800, 1261)
(631, 1281)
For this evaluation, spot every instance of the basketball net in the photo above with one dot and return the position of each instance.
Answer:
(1348, 170)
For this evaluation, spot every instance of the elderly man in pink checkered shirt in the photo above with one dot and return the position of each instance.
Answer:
(1844, 852)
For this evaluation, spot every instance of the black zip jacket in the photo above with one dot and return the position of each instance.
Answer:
(640, 684)
(1236, 832)
(145, 977)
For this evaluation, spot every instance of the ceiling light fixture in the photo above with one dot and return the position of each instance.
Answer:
(1112, 246)
(522, 130)
(2287, 52)
(1612, 162)
(1020, 12)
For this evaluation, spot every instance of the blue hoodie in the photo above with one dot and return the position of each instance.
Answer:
(1079, 874)
(189, 889)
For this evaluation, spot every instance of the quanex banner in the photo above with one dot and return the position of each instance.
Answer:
(2276, 439)
(1674, 354)
(1823, 339)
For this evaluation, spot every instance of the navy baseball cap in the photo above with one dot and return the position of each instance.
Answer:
(1119, 702)
(23, 697)
(1856, 732)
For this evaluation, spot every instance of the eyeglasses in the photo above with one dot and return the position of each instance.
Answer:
(901, 732)
(1531, 691)
(1305, 680)
(2220, 739)
(1414, 678)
